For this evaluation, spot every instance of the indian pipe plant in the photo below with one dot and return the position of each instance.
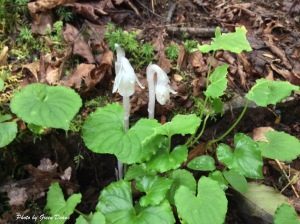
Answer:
(157, 169)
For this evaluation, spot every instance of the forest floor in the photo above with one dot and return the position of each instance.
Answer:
(76, 53)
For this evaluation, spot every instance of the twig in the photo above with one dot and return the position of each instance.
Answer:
(171, 11)
(133, 8)
(151, 11)
(287, 177)
(152, 6)
(198, 31)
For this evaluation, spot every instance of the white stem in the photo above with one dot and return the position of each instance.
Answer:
(126, 106)
(151, 86)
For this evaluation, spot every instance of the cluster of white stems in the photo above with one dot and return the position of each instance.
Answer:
(158, 85)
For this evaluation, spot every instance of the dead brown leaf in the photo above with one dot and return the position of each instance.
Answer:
(259, 134)
(53, 75)
(90, 74)
(91, 11)
(41, 22)
(17, 196)
(277, 51)
(181, 56)
(80, 74)
(80, 47)
(47, 165)
(196, 61)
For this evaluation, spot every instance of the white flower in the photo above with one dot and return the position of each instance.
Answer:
(125, 75)
(162, 87)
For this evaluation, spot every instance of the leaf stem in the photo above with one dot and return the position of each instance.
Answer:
(82, 214)
(192, 140)
(232, 126)
(201, 132)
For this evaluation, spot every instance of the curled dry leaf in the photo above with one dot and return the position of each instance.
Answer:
(3, 56)
(67, 174)
(159, 46)
(80, 47)
(45, 5)
(47, 165)
(259, 134)
(32, 69)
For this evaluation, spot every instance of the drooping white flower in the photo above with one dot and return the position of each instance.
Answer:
(159, 86)
(125, 75)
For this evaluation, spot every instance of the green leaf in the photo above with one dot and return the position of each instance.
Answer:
(1, 85)
(47, 106)
(137, 170)
(116, 204)
(286, 214)
(180, 124)
(237, 181)
(263, 198)
(5, 117)
(218, 176)
(57, 205)
(181, 178)
(266, 92)
(103, 132)
(164, 161)
(218, 82)
(95, 218)
(281, 146)
(246, 158)
(235, 42)
(155, 187)
(210, 205)
(203, 163)
(8, 132)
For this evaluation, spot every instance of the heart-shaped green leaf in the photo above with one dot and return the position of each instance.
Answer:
(203, 163)
(266, 92)
(181, 178)
(210, 205)
(218, 176)
(235, 42)
(137, 170)
(95, 218)
(217, 82)
(116, 204)
(180, 124)
(285, 214)
(58, 206)
(236, 180)
(246, 158)
(8, 132)
(155, 187)
(103, 132)
(46, 106)
(281, 146)
(164, 161)
(1, 85)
